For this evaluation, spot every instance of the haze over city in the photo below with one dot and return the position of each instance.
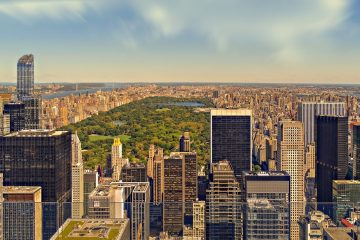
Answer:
(183, 41)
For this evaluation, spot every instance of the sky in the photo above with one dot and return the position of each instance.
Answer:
(282, 41)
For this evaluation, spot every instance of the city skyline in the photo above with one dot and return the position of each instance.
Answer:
(107, 41)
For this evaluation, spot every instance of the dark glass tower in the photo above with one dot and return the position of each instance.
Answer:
(25, 76)
(33, 110)
(356, 149)
(16, 110)
(332, 154)
(231, 138)
(134, 172)
(40, 158)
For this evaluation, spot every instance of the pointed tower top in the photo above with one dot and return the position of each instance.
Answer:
(117, 142)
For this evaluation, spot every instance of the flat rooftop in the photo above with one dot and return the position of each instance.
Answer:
(20, 189)
(231, 112)
(92, 229)
(339, 233)
(355, 182)
(36, 133)
(263, 173)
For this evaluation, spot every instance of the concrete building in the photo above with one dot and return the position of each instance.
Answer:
(223, 214)
(198, 226)
(312, 225)
(117, 160)
(114, 229)
(231, 138)
(290, 158)
(346, 195)
(158, 176)
(77, 178)
(22, 213)
(25, 76)
(267, 196)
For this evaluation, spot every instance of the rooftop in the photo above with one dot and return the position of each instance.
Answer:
(29, 58)
(355, 182)
(263, 173)
(105, 229)
(36, 133)
(20, 189)
(340, 233)
(231, 112)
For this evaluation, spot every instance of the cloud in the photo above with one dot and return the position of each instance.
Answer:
(286, 27)
(26, 11)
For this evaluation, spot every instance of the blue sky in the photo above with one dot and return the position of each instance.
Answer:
(183, 41)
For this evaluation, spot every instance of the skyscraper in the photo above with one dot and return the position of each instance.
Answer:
(231, 138)
(223, 210)
(199, 219)
(267, 209)
(185, 142)
(173, 195)
(158, 176)
(22, 213)
(91, 181)
(16, 111)
(77, 178)
(25, 76)
(290, 158)
(1, 206)
(117, 160)
(356, 149)
(308, 111)
(33, 111)
(40, 158)
(332, 155)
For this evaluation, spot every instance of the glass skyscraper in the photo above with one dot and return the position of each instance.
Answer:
(231, 138)
(25, 76)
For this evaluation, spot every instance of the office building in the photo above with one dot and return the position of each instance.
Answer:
(310, 161)
(356, 150)
(198, 225)
(158, 176)
(185, 142)
(150, 161)
(50, 152)
(77, 178)
(173, 195)
(223, 209)
(16, 111)
(4, 124)
(290, 158)
(121, 200)
(22, 213)
(190, 179)
(134, 172)
(332, 156)
(25, 76)
(267, 209)
(308, 111)
(33, 111)
(91, 181)
(84, 229)
(313, 225)
(117, 160)
(231, 138)
(346, 194)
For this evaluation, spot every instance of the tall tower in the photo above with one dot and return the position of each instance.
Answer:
(356, 149)
(308, 111)
(231, 138)
(117, 160)
(332, 156)
(158, 176)
(25, 76)
(223, 214)
(77, 178)
(290, 158)
(185, 142)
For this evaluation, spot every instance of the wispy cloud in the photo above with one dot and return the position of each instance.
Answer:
(26, 11)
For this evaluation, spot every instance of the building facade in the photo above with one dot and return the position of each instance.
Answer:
(134, 172)
(290, 158)
(231, 138)
(77, 178)
(16, 111)
(346, 196)
(25, 76)
(356, 150)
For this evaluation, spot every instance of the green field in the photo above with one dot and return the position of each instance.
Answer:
(154, 120)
